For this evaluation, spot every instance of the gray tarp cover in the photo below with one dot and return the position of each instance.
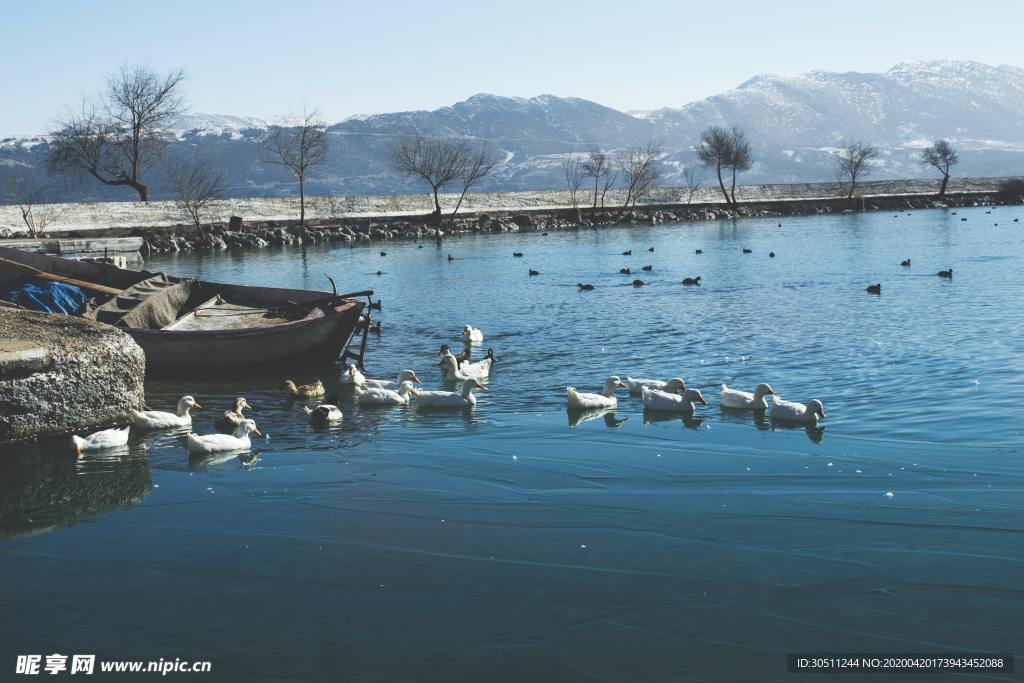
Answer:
(151, 304)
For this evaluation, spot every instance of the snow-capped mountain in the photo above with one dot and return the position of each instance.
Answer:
(214, 122)
(798, 121)
(795, 122)
(543, 120)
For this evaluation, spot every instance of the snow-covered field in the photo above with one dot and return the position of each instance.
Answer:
(98, 216)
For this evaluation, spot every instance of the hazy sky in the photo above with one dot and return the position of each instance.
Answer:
(269, 58)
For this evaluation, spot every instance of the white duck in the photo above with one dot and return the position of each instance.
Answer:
(472, 334)
(449, 399)
(213, 443)
(792, 411)
(453, 372)
(403, 376)
(673, 386)
(605, 399)
(352, 376)
(158, 419)
(379, 396)
(662, 400)
(108, 438)
(323, 414)
(734, 398)
(230, 419)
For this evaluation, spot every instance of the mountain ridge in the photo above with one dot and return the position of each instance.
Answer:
(795, 122)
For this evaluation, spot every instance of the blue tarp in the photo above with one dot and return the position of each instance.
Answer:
(43, 295)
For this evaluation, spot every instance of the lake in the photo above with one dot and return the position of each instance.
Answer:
(513, 542)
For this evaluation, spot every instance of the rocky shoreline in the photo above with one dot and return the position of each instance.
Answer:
(162, 240)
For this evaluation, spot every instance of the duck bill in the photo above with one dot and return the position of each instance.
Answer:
(482, 386)
(197, 405)
(416, 380)
(822, 414)
(256, 430)
(703, 400)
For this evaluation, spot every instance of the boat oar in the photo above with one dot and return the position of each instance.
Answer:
(355, 295)
(43, 275)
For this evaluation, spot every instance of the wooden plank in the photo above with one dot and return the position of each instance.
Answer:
(42, 275)
(191, 314)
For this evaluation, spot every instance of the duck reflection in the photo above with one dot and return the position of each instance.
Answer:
(689, 421)
(578, 416)
(198, 461)
(42, 489)
(814, 432)
(759, 418)
(436, 418)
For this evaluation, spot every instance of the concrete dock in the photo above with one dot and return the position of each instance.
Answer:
(123, 251)
(62, 375)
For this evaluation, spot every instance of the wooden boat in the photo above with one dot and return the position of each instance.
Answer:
(185, 323)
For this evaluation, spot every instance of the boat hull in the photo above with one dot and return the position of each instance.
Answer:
(319, 338)
(320, 335)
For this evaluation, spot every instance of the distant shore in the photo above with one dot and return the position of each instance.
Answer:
(367, 219)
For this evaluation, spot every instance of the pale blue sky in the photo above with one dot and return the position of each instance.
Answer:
(270, 58)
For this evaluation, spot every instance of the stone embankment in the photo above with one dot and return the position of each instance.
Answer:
(80, 219)
(384, 228)
(61, 375)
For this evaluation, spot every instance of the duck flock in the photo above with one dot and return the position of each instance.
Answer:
(695, 281)
(672, 395)
(234, 428)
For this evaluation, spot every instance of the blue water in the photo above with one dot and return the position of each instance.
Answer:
(507, 543)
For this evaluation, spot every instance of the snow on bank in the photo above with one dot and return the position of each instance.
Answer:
(102, 215)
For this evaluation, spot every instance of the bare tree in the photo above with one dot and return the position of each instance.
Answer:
(574, 172)
(640, 172)
(298, 148)
(196, 186)
(943, 157)
(728, 149)
(478, 165)
(437, 162)
(596, 166)
(854, 162)
(741, 157)
(609, 183)
(119, 140)
(692, 181)
(33, 199)
(715, 151)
